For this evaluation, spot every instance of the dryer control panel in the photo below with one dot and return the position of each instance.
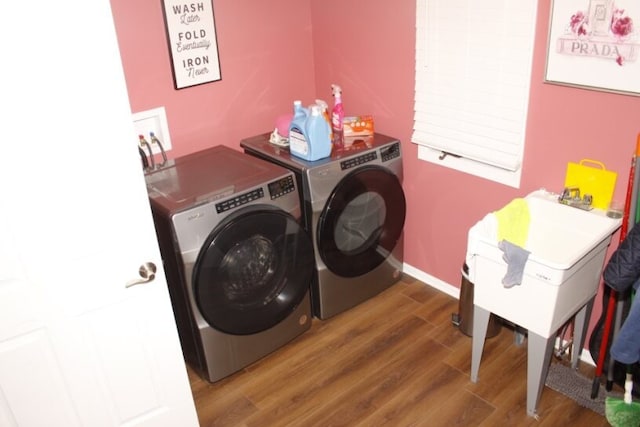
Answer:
(239, 200)
(390, 152)
(281, 187)
(359, 160)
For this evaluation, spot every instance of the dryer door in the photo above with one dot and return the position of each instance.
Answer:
(362, 221)
(253, 270)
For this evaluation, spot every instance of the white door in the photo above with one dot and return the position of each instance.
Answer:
(77, 347)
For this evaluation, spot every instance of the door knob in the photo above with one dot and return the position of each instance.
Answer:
(147, 272)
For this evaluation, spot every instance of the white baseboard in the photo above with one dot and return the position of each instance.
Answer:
(432, 281)
(454, 291)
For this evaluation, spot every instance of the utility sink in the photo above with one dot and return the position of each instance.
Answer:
(560, 279)
(567, 248)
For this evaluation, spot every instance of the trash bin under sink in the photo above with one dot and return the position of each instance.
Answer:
(465, 308)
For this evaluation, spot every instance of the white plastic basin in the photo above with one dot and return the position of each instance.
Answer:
(559, 235)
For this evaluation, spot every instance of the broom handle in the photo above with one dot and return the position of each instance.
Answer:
(611, 304)
(627, 203)
(617, 322)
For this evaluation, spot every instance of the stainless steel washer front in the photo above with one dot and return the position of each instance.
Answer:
(239, 264)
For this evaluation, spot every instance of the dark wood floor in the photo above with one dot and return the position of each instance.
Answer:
(394, 360)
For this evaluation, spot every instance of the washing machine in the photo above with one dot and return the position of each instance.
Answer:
(238, 261)
(354, 208)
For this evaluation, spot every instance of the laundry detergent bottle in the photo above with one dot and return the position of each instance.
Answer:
(298, 144)
(318, 133)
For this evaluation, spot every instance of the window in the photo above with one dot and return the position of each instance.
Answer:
(473, 73)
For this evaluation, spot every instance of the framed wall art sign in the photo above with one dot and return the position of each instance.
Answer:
(191, 33)
(595, 44)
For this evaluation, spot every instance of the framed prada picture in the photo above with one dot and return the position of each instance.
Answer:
(191, 33)
(595, 44)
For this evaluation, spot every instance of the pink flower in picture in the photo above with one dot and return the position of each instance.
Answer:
(621, 25)
(579, 24)
(576, 19)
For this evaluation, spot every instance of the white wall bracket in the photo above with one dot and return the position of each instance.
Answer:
(154, 120)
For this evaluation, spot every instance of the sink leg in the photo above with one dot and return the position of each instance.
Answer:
(480, 324)
(580, 331)
(538, 358)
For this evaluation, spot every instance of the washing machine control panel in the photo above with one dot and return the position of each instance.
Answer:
(281, 187)
(390, 152)
(239, 200)
(359, 160)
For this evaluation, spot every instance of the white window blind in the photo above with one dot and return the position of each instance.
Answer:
(473, 73)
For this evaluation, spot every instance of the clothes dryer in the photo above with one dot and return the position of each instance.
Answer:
(238, 262)
(354, 208)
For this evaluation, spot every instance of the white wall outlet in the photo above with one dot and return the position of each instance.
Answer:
(154, 120)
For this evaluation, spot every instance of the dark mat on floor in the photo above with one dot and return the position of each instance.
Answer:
(577, 387)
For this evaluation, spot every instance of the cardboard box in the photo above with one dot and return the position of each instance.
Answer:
(358, 125)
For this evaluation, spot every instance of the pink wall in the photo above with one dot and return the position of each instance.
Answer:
(276, 51)
(266, 61)
(369, 49)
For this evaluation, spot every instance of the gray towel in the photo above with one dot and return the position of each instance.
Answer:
(515, 257)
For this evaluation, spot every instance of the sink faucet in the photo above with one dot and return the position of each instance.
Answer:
(571, 196)
(570, 193)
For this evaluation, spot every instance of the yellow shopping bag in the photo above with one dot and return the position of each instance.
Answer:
(595, 180)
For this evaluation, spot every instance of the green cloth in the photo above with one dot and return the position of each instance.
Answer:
(622, 414)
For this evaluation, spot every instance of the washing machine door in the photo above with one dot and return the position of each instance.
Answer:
(362, 221)
(253, 270)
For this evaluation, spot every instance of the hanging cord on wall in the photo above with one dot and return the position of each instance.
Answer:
(146, 145)
(143, 157)
(155, 140)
